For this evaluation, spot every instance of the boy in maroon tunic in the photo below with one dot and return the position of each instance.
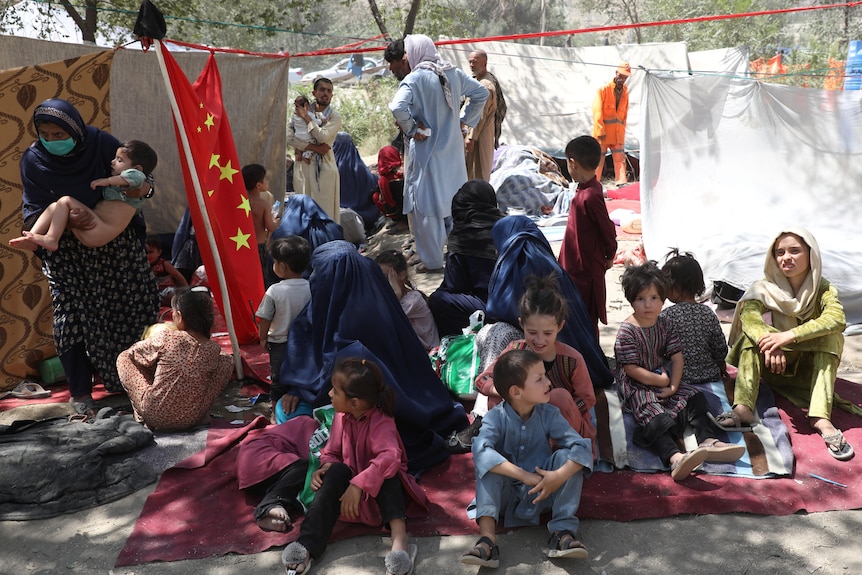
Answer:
(590, 241)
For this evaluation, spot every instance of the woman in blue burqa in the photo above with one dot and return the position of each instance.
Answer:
(524, 251)
(303, 217)
(353, 309)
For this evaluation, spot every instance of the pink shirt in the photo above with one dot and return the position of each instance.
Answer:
(371, 447)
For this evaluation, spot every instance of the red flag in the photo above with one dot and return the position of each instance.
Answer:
(210, 164)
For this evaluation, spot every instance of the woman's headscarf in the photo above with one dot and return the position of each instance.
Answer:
(303, 217)
(352, 306)
(422, 55)
(775, 292)
(474, 213)
(357, 181)
(524, 251)
(46, 177)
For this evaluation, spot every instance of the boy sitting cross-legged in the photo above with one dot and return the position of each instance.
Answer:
(518, 476)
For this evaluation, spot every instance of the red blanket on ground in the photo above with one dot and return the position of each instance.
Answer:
(197, 509)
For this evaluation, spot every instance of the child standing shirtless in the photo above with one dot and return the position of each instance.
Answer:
(257, 186)
(133, 162)
(518, 477)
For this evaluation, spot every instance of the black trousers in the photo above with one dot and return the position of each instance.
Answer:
(326, 507)
(663, 432)
(281, 488)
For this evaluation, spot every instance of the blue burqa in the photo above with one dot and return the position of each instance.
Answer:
(303, 217)
(357, 181)
(524, 251)
(353, 308)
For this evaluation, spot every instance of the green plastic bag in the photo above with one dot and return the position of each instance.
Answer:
(324, 415)
(460, 364)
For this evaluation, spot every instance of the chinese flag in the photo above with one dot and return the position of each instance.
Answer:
(210, 164)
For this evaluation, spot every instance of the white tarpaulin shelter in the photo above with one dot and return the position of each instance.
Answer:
(550, 91)
(727, 162)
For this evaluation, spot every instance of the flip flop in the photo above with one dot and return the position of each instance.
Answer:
(729, 415)
(688, 463)
(28, 390)
(401, 562)
(838, 446)
(721, 452)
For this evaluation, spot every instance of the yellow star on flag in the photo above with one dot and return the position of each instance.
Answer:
(210, 193)
(209, 122)
(214, 160)
(227, 172)
(241, 239)
(244, 205)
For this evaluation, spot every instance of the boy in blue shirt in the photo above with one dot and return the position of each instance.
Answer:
(518, 476)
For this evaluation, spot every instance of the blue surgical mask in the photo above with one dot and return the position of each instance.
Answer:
(59, 147)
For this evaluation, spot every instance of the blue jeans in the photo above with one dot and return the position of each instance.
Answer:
(499, 497)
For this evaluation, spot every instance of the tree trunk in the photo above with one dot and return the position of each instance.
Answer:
(410, 22)
(87, 23)
(375, 11)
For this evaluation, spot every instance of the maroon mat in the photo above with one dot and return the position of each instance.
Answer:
(197, 509)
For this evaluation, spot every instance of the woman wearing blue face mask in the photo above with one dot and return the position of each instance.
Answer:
(104, 297)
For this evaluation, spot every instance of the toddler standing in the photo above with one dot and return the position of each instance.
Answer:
(363, 473)
(280, 305)
(167, 276)
(651, 390)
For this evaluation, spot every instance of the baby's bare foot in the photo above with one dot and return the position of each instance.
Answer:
(276, 519)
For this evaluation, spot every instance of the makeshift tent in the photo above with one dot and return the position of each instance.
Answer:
(550, 91)
(727, 162)
(729, 61)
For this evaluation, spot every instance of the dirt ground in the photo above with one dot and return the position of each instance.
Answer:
(89, 542)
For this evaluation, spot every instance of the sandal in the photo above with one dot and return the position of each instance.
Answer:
(401, 562)
(563, 544)
(729, 421)
(478, 555)
(462, 441)
(838, 446)
(296, 559)
(684, 467)
(721, 452)
(27, 390)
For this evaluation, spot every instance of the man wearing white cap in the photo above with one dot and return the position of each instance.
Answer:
(610, 109)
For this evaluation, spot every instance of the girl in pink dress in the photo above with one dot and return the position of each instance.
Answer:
(363, 471)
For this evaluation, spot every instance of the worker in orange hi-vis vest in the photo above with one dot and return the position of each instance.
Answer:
(610, 108)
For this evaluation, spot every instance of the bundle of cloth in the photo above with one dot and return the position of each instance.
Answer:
(530, 179)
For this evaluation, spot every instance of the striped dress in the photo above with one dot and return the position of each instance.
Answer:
(650, 348)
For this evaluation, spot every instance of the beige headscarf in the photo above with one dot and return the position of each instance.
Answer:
(788, 311)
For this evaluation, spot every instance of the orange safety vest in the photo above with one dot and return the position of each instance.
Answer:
(609, 119)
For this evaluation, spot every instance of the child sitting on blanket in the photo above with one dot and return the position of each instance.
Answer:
(661, 405)
(543, 312)
(173, 376)
(363, 473)
(518, 475)
(703, 345)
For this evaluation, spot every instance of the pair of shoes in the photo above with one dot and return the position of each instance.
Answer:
(721, 452)
(401, 562)
(688, 463)
(478, 555)
(27, 390)
(729, 421)
(838, 446)
(564, 545)
(296, 559)
(423, 269)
